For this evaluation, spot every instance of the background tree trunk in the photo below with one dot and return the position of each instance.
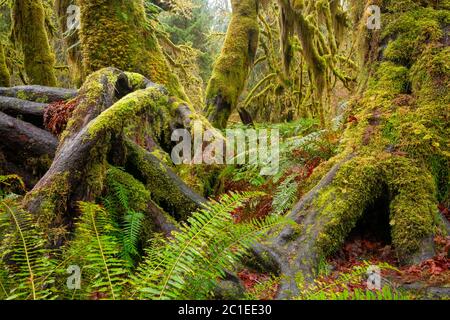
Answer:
(232, 68)
(29, 30)
(71, 41)
(116, 33)
(5, 80)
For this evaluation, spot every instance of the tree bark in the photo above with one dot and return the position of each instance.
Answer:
(32, 112)
(5, 78)
(38, 93)
(71, 41)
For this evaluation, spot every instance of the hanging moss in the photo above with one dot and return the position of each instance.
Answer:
(231, 69)
(116, 33)
(29, 30)
(5, 80)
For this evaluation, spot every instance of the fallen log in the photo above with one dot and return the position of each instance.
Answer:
(38, 93)
(24, 140)
(26, 149)
(28, 111)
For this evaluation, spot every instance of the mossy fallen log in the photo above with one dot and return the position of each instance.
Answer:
(39, 94)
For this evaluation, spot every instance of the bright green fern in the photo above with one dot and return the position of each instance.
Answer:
(188, 265)
(96, 250)
(25, 263)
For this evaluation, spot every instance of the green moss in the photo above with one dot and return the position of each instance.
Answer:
(148, 101)
(344, 201)
(51, 215)
(133, 46)
(413, 206)
(400, 138)
(412, 31)
(389, 79)
(137, 195)
(231, 69)
(5, 79)
(163, 190)
(29, 29)
(90, 100)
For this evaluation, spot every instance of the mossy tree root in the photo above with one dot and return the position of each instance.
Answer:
(331, 210)
(109, 106)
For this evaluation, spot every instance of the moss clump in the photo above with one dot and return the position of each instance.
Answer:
(91, 99)
(343, 202)
(5, 80)
(231, 69)
(133, 46)
(29, 29)
(413, 204)
(51, 215)
(165, 191)
(148, 101)
(412, 31)
(389, 79)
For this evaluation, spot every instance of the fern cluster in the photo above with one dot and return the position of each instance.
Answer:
(25, 263)
(126, 200)
(188, 265)
(97, 250)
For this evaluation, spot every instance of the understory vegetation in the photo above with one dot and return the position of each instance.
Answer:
(93, 205)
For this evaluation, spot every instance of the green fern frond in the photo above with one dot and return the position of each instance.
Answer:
(97, 251)
(25, 261)
(285, 195)
(205, 246)
(132, 229)
(126, 200)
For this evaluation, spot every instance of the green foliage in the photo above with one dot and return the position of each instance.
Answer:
(97, 249)
(193, 30)
(285, 195)
(126, 200)
(189, 265)
(25, 262)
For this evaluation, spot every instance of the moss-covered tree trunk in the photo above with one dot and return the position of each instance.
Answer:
(5, 80)
(116, 33)
(232, 68)
(396, 151)
(30, 31)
